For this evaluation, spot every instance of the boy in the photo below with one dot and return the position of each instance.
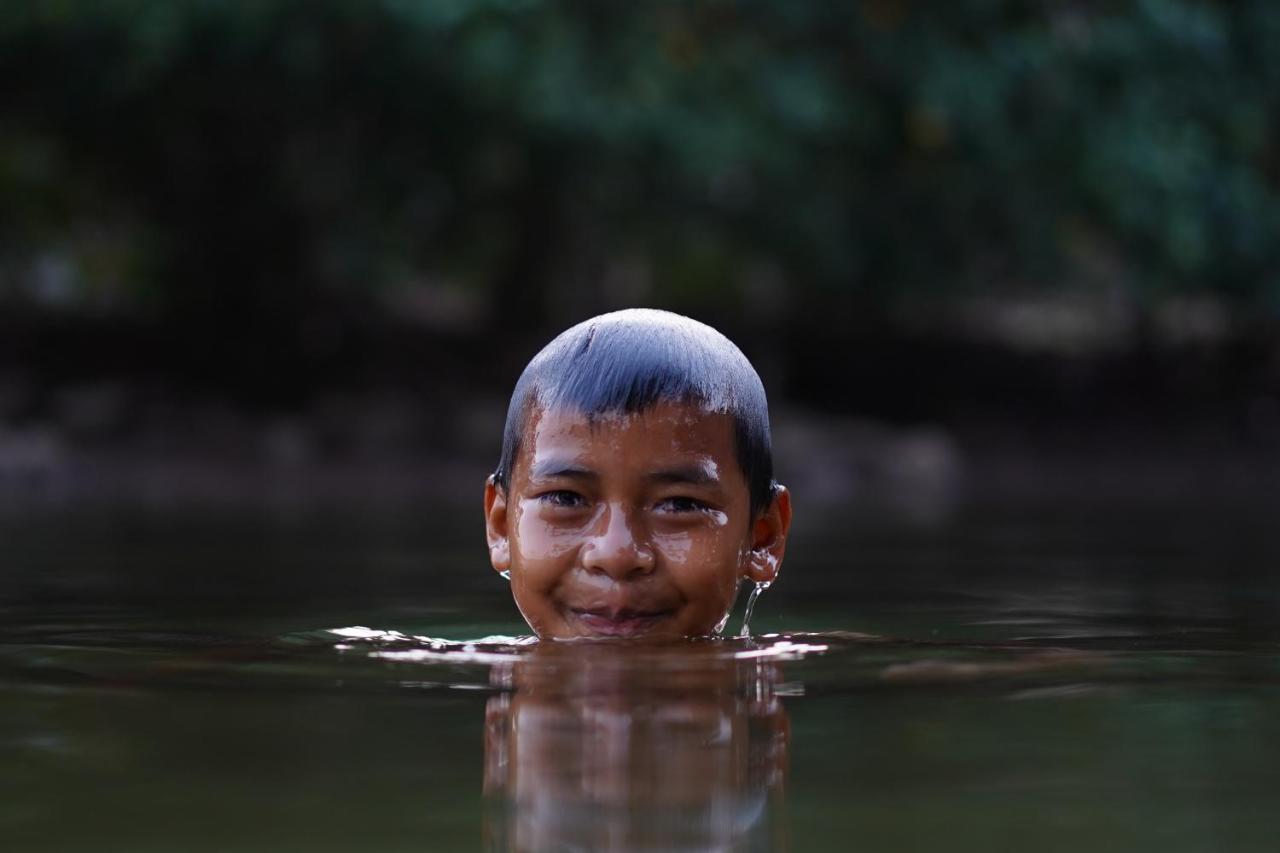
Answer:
(635, 490)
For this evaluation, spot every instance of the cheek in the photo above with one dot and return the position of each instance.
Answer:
(683, 542)
(539, 544)
(708, 559)
(693, 547)
(676, 548)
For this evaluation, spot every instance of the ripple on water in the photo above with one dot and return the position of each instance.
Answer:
(131, 654)
(409, 648)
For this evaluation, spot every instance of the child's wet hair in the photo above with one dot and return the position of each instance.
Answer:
(628, 362)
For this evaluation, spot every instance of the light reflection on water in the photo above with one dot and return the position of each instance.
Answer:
(1096, 680)
(592, 748)
(782, 741)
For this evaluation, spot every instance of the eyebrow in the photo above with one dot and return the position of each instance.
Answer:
(697, 475)
(553, 468)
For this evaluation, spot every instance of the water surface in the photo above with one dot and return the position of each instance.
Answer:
(1028, 677)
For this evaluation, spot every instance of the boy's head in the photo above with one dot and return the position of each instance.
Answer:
(635, 489)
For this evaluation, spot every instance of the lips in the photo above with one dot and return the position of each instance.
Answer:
(618, 622)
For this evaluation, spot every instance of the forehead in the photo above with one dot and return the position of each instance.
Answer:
(661, 433)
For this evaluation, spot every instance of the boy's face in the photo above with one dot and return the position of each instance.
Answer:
(630, 525)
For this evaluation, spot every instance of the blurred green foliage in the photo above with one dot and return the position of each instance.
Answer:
(292, 164)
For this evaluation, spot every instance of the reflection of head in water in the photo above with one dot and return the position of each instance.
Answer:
(635, 491)
(627, 748)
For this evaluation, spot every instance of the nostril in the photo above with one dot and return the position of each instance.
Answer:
(619, 562)
(645, 562)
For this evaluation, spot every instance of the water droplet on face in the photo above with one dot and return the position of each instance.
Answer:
(761, 586)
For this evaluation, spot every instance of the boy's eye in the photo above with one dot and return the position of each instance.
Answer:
(681, 505)
(562, 498)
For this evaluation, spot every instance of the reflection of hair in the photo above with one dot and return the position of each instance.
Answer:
(629, 361)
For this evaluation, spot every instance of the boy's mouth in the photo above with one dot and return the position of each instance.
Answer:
(623, 622)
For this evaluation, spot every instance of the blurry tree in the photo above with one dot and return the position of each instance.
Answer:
(262, 180)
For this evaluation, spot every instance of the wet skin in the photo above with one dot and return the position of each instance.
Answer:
(630, 525)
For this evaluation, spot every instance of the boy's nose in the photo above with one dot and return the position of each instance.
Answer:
(615, 550)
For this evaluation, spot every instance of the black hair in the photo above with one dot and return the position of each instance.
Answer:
(628, 361)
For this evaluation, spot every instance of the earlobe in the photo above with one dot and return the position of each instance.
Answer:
(495, 526)
(762, 567)
(769, 539)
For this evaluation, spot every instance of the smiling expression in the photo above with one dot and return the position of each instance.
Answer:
(630, 524)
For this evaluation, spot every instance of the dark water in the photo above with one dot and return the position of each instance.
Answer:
(1040, 677)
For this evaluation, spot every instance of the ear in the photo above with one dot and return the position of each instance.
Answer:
(495, 526)
(769, 539)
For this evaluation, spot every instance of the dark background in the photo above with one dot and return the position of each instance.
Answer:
(269, 270)
(1024, 246)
